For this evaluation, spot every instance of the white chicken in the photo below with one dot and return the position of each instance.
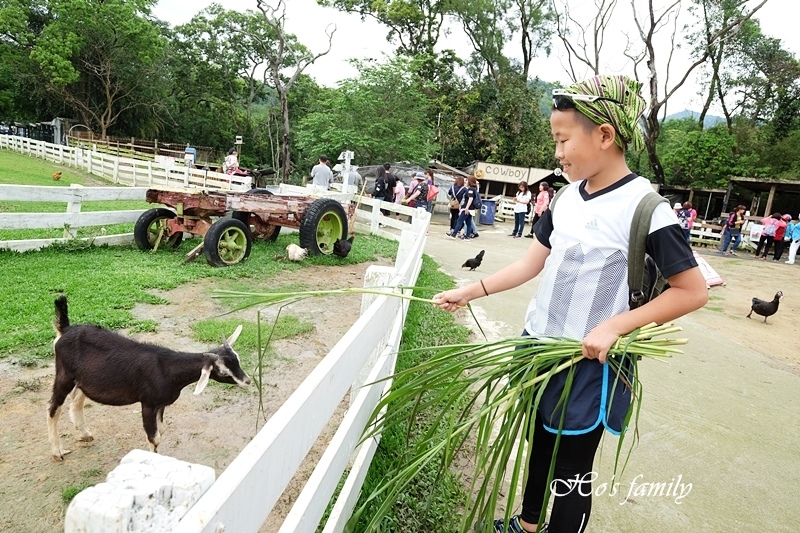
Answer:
(295, 253)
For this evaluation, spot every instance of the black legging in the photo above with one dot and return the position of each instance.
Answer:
(780, 244)
(571, 510)
(764, 244)
(534, 221)
(453, 218)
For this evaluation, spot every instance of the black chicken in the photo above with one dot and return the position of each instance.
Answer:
(764, 308)
(474, 262)
(342, 247)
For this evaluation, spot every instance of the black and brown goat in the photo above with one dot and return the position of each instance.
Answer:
(111, 369)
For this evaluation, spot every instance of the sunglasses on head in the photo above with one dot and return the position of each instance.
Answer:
(562, 100)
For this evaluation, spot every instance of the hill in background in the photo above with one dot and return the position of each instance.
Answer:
(708, 121)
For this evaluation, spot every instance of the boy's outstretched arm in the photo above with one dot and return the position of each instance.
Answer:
(688, 291)
(513, 275)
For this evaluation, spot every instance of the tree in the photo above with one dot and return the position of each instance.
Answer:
(698, 158)
(500, 124)
(284, 52)
(649, 23)
(22, 93)
(491, 24)
(381, 116)
(583, 41)
(99, 56)
(414, 25)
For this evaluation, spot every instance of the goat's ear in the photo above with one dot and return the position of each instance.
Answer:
(234, 336)
(203, 381)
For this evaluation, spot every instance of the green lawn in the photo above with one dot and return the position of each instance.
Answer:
(23, 170)
(109, 281)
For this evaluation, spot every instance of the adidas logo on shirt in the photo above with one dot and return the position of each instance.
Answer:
(592, 225)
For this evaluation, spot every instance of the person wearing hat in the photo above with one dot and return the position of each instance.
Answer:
(420, 194)
(683, 219)
(780, 233)
(580, 254)
(321, 175)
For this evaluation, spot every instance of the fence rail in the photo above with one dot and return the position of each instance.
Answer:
(246, 492)
(126, 170)
(72, 219)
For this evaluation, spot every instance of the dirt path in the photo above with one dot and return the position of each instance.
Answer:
(208, 429)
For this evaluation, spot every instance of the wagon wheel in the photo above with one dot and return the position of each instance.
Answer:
(227, 242)
(244, 217)
(323, 224)
(150, 226)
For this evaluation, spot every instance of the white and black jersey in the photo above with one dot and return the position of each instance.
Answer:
(584, 282)
(585, 278)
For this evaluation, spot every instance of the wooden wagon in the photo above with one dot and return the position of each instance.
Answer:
(228, 240)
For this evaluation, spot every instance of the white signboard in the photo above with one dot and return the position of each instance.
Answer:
(503, 173)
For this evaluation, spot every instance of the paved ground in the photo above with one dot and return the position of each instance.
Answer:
(719, 425)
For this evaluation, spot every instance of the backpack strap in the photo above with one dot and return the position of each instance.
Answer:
(640, 228)
(555, 197)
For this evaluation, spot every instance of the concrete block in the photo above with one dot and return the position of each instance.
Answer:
(145, 493)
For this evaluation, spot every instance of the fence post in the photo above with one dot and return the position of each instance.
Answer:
(375, 276)
(375, 217)
(116, 168)
(73, 206)
(149, 173)
(89, 162)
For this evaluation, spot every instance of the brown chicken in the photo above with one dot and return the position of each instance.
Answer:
(765, 308)
(57, 176)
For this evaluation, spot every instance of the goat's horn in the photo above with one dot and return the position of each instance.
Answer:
(233, 337)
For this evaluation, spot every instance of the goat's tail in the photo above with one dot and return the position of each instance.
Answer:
(61, 320)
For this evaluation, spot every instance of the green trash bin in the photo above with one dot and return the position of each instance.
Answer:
(488, 208)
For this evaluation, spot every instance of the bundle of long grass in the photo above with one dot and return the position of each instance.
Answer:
(489, 389)
(501, 382)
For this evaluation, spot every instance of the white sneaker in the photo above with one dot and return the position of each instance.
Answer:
(789, 262)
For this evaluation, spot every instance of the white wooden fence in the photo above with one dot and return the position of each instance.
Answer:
(73, 218)
(125, 170)
(245, 493)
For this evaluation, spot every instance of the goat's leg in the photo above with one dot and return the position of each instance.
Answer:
(160, 420)
(61, 388)
(150, 422)
(76, 415)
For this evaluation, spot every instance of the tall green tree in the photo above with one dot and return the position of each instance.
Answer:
(415, 26)
(381, 115)
(99, 56)
(697, 158)
(22, 93)
(498, 123)
(287, 58)
(649, 22)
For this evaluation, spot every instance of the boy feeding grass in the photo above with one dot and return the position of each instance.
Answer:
(581, 252)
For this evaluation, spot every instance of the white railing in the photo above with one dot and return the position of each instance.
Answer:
(73, 218)
(245, 493)
(125, 170)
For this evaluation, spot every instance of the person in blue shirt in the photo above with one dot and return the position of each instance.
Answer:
(793, 233)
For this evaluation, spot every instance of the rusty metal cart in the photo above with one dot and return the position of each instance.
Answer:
(254, 214)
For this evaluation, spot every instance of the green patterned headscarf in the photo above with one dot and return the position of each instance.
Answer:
(624, 117)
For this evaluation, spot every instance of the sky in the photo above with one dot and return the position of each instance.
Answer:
(356, 38)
